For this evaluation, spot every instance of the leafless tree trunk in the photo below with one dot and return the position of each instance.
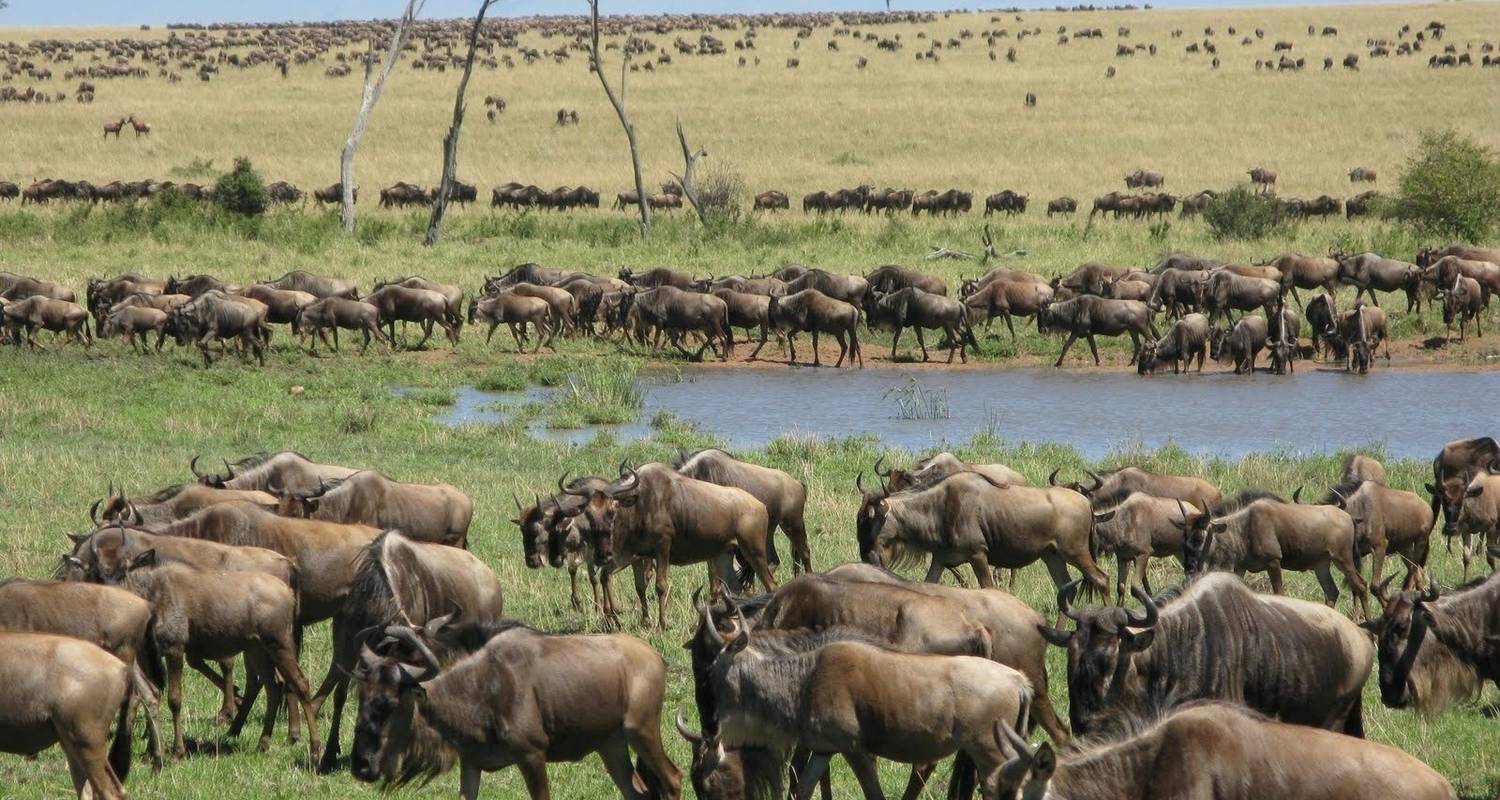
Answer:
(450, 142)
(618, 101)
(689, 163)
(367, 104)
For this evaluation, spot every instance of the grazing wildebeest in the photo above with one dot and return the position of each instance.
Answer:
(422, 306)
(1224, 751)
(1240, 344)
(37, 312)
(336, 312)
(1007, 298)
(516, 311)
(316, 285)
(508, 694)
(397, 578)
(811, 310)
(783, 496)
(1089, 316)
(1260, 532)
(214, 316)
(1217, 640)
(67, 691)
(430, 512)
(1186, 339)
(676, 312)
(289, 471)
(1455, 465)
(1144, 177)
(1386, 521)
(918, 309)
(173, 502)
(656, 513)
(1437, 650)
(968, 519)
(1370, 273)
(1062, 205)
(772, 201)
(1365, 174)
(1306, 272)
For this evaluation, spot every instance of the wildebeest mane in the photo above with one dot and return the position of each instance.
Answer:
(165, 494)
(1344, 488)
(1247, 496)
(471, 637)
(709, 470)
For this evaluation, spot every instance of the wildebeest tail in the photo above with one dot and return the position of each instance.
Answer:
(965, 776)
(150, 659)
(119, 749)
(296, 581)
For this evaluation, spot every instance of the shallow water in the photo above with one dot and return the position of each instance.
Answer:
(1408, 414)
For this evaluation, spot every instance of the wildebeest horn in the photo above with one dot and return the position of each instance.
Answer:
(1297, 495)
(1052, 479)
(1342, 501)
(859, 482)
(517, 501)
(713, 630)
(228, 470)
(878, 462)
(1098, 481)
(1182, 509)
(134, 513)
(1146, 620)
(634, 480)
(1432, 591)
(1065, 598)
(94, 511)
(193, 465)
(685, 732)
(562, 486)
(1379, 589)
(1021, 746)
(402, 633)
(438, 623)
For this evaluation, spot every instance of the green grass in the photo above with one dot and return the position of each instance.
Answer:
(137, 422)
(604, 393)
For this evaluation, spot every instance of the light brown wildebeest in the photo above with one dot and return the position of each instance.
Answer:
(431, 512)
(515, 311)
(335, 313)
(37, 312)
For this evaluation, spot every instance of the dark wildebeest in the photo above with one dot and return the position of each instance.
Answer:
(658, 514)
(316, 285)
(1241, 344)
(1089, 316)
(1062, 205)
(336, 312)
(1362, 204)
(1357, 335)
(1291, 659)
(1144, 178)
(783, 496)
(1186, 339)
(1145, 526)
(1198, 202)
(516, 311)
(422, 306)
(772, 201)
(893, 278)
(333, 193)
(1370, 273)
(1265, 178)
(450, 293)
(816, 201)
(1223, 291)
(677, 313)
(1437, 651)
(1321, 313)
(968, 519)
(404, 194)
(1455, 465)
(1006, 298)
(1259, 532)
(811, 310)
(915, 308)
(1090, 278)
(1306, 272)
(67, 691)
(429, 512)
(1224, 751)
(37, 312)
(288, 471)
(1177, 290)
(1365, 174)
(530, 272)
(396, 578)
(507, 695)
(101, 294)
(1008, 201)
(1386, 521)
(214, 316)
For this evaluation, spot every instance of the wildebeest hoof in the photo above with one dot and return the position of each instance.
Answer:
(264, 744)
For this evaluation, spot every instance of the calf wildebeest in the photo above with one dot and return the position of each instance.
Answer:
(1266, 178)
(509, 695)
(1463, 301)
(397, 578)
(968, 519)
(430, 512)
(1241, 344)
(783, 496)
(1089, 316)
(1386, 521)
(1144, 177)
(173, 502)
(452, 294)
(101, 294)
(1145, 526)
(1062, 205)
(214, 316)
(918, 309)
(1437, 650)
(676, 312)
(659, 514)
(811, 310)
(43, 313)
(422, 306)
(1455, 465)
(968, 286)
(217, 615)
(1306, 272)
(1136, 285)
(1291, 659)
(334, 313)
(1260, 532)
(1370, 273)
(67, 691)
(1186, 339)
(935, 468)
(1007, 298)
(135, 322)
(516, 311)
(289, 471)
(1225, 751)
(772, 201)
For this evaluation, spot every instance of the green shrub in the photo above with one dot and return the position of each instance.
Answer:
(1451, 188)
(1244, 214)
(241, 190)
(720, 188)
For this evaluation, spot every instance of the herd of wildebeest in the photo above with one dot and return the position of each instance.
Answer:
(663, 306)
(1206, 684)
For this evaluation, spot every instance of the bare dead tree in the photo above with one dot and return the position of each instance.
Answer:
(618, 101)
(450, 142)
(373, 85)
(685, 180)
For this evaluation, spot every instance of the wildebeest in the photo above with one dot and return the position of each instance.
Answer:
(335, 313)
(1266, 178)
(194, 285)
(101, 294)
(429, 512)
(658, 276)
(933, 469)
(1294, 660)
(1370, 273)
(333, 193)
(1306, 272)
(1463, 301)
(1090, 278)
(1357, 334)
(43, 313)
(1062, 205)
(1006, 298)
(1443, 271)
(422, 306)
(1365, 174)
(771, 201)
(214, 316)
(749, 311)
(918, 309)
(1386, 521)
(893, 278)
(511, 695)
(1437, 650)
(1260, 532)
(173, 502)
(811, 310)
(562, 302)
(1145, 526)
(67, 691)
(1186, 339)
(848, 288)
(1223, 291)
(1115, 485)
(1479, 516)
(516, 312)
(1452, 469)
(282, 305)
(1225, 751)
(1241, 344)
(1177, 290)
(1144, 177)
(403, 194)
(783, 496)
(1089, 316)
(287, 470)
(1008, 201)
(676, 312)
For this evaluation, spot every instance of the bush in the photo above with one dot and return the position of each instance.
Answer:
(1241, 213)
(241, 190)
(1451, 188)
(720, 188)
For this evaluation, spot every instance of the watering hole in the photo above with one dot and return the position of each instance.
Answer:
(1407, 414)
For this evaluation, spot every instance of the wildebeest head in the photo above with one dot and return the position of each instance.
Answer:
(1399, 633)
(872, 512)
(295, 504)
(1100, 650)
(391, 674)
(211, 479)
(534, 522)
(594, 518)
(716, 773)
(1198, 553)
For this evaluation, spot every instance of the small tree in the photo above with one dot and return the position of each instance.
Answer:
(374, 82)
(596, 65)
(450, 142)
(1451, 188)
(241, 190)
(1244, 214)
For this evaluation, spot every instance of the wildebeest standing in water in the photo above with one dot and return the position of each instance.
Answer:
(1188, 338)
(1241, 344)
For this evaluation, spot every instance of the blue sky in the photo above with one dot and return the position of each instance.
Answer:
(122, 12)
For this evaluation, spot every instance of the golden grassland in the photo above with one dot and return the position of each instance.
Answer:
(958, 122)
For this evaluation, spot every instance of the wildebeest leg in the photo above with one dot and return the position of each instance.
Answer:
(1072, 337)
(896, 340)
(817, 358)
(817, 764)
(1008, 326)
(254, 679)
(791, 348)
(468, 779)
(934, 570)
(638, 570)
(88, 765)
(616, 758)
(1325, 580)
(863, 767)
(843, 350)
(1123, 563)
(222, 678)
(1135, 348)
(918, 781)
(573, 584)
(146, 694)
(980, 563)
(922, 343)
(174, 701)
(1058, 569)
(1273, 570)
(796, 531)
(426, 333)
(282, 656)
(533, 768)
(1094, 348)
